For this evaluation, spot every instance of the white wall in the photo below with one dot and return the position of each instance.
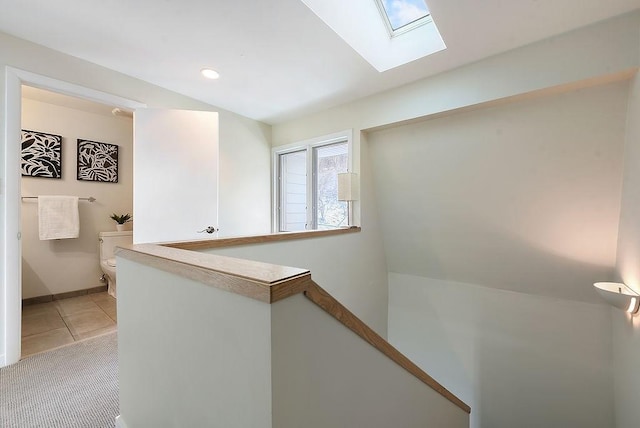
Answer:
(588, 56)
(583, 57)
(626, 329)
(518, 360)
(523, 196)
(195, 355)
(626, 354)
(244, 143)
(589, 53)
(324, 375)
(579, 58)
(241, 212)
(351, 267)
(244, 193)
(189, 354)
(52, 267)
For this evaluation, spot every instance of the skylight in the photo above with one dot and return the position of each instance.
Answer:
(373, 34)
(403, 13)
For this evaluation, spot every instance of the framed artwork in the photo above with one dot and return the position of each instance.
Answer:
(97, 161)
(41, 154)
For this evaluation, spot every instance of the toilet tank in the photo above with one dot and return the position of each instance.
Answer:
(110, 240)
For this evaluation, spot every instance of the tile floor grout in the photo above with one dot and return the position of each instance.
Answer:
(54, 324)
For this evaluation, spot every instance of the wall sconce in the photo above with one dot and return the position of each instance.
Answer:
(619, 295)
(348, 191)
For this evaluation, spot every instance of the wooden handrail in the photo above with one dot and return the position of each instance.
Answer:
(324, 300)
(261, 281)
(257, 239)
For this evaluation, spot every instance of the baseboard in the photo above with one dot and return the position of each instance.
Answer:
(120, 422)
(60, 296)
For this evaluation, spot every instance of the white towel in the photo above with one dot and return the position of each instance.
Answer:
(58, 217)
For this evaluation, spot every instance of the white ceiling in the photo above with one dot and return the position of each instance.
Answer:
(277, 59)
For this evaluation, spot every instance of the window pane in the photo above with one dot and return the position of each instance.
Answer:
(329, 213)
(293, 191)
(404, 12)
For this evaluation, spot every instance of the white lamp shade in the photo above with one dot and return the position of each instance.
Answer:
(348, 189)
(619, 295)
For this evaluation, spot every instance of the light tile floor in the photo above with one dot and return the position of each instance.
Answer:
(50, 325)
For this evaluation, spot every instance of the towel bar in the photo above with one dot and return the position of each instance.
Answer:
(90, 198)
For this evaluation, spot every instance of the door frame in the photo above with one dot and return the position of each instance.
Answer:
(11, 278)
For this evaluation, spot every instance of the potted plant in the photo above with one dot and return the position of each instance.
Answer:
(120, 220)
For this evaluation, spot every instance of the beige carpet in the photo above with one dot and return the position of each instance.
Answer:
(73, 386)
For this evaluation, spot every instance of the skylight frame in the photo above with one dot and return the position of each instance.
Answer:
(405, 28)
(369, 37)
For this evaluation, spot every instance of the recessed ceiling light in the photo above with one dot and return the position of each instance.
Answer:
(209, 73)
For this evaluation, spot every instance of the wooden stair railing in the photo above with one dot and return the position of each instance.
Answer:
(270, 283)
(334, 308)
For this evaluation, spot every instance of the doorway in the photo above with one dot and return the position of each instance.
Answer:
(63, 299)
(11, 284)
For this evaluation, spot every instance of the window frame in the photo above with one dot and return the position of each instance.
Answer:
(405, 28)
(308, 146)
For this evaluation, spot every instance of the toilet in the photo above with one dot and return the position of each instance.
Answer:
(108, 243)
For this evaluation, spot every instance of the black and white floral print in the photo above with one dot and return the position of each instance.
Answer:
(97, 161)
(41, 154)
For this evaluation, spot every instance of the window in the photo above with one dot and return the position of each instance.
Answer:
(328, 161)
(306, 184)
(386, 40)
(401, 16)
(293, 190)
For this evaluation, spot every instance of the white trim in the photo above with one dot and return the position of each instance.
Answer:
(316, 141)
(43, 82)
(276, 199)
(120, 422)
(307, 145)
(10, 280)
(405, 28)
(12, 248)
(425, 20)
